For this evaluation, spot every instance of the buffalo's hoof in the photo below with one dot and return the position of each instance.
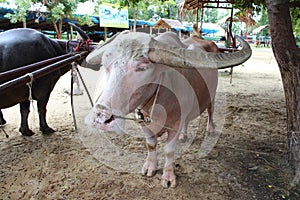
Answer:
(169, 183)
(169, 177)
(26, 132)
(47, 130)
(149, 169)
(183, 138)
(2, 122)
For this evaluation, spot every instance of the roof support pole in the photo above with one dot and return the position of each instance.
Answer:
(197, 16)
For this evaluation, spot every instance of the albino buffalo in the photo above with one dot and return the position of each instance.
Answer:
(167, 83)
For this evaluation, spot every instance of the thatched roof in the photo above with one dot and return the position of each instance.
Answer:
(169, 23)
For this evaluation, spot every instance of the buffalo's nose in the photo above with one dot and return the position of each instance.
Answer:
(103, 115)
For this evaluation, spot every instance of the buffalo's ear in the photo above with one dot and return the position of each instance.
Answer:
(141, 64)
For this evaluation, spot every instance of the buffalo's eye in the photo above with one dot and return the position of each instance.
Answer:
(140, 69)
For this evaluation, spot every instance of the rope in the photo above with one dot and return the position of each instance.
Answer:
(74, 67)
(72, 103)
(30, 97)
(293, 138)
(29, 84)
(155, 99)
(84, 85)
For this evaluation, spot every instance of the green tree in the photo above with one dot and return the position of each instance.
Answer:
(287, 55)
(210, 15)
(133, 4)
(147, 9)
(295, 14)
(57, 10)
(264, 17)
(246, 16)
(165, 8)
(20, 12)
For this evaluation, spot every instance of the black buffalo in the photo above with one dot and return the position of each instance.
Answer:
(20, 47)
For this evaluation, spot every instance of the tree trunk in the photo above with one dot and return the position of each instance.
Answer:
(24, 24)
(60, 24)
(287, 55)
(57, 30)
(135, 17)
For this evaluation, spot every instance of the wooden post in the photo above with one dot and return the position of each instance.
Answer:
(197, 16)
(71, 29)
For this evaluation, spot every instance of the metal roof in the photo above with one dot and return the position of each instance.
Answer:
(187, 5)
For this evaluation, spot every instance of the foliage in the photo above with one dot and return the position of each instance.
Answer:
(147, 9)
(264, 17)
(295, 15)
(58, 9)
(259, 6)
(20, 12)
(84, 20)
(210, 15)
(255, 5)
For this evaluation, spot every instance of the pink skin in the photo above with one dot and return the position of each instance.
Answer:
(128, 81)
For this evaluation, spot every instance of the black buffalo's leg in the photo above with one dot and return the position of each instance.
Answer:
(42, 103)
(2, 120)
(24, 109)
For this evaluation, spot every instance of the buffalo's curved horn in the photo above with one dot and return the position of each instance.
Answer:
(186, 58)
(84, 36)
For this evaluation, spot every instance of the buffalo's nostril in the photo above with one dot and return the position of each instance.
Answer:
(103, 115)
(109, 120)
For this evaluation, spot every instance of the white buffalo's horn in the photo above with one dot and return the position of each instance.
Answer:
(186, 58)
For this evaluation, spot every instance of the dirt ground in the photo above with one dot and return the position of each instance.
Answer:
(246, 159)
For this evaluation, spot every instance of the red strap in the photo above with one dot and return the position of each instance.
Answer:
(80, 44)
(87, 43)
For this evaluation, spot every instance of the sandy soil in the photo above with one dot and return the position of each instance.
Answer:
(246, 159)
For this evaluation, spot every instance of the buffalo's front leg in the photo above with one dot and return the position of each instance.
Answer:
(24, 110)
(169, 177)
(42, 103)
(150, 166)
(2, 120)
(210, 123)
